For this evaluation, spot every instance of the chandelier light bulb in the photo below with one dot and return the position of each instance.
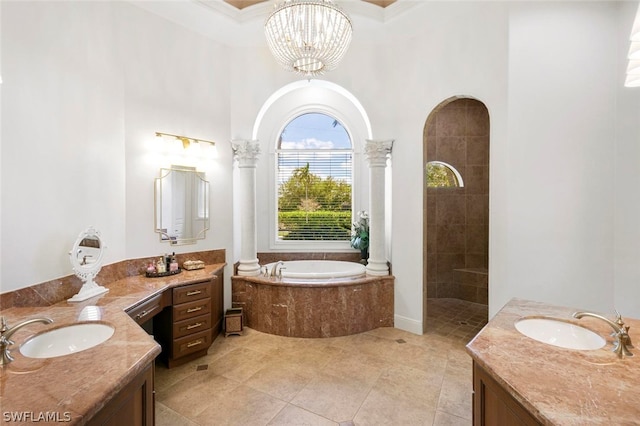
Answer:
(308, 36)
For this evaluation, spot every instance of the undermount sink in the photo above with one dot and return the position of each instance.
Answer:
(559, 333)
(66, 340)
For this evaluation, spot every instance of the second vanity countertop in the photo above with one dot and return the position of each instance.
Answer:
(75, 387)
(561, 386)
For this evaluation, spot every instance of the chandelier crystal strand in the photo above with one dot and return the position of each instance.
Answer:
(308, 36)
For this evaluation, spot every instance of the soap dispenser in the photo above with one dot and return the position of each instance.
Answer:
(173, 266)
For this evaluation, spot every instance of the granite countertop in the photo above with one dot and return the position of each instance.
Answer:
(77, 386)
(561, 386)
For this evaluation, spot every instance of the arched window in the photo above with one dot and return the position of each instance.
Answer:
(443, 175)
(314, 160)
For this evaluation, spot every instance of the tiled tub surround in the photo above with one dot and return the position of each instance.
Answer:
(80, 384)
(561, 386)
(314, 308)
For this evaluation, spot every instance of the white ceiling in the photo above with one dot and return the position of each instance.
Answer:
(226, 24)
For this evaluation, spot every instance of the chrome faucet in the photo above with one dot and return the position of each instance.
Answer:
(6, 333)
(621, 332)
(274, 269)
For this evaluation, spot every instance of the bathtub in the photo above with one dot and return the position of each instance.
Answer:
(315, 298)
(319, 269)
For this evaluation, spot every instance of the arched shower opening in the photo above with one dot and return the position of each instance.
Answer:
(456, 203)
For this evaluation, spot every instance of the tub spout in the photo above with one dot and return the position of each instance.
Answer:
(274, 269)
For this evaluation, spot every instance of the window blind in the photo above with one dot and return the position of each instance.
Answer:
(314, 194)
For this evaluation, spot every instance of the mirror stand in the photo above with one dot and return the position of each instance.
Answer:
(86, 260)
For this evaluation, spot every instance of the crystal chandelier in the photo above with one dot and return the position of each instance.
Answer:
(308, 36)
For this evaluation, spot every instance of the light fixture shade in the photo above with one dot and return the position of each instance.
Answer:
(635, 31)
(308, 36)
(633, 68)
(634, 50)
(632, 81)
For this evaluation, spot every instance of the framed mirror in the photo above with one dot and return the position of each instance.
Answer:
(86, 258)
(181, 205)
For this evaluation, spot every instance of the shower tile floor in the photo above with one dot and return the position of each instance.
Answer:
(384, 376)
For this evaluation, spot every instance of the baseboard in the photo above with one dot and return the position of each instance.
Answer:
(407, 324)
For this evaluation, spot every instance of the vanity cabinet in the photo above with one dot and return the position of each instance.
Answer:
(493, 405)
(133, 405)
(186, 328)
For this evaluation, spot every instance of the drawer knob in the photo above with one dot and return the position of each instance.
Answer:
(194, 292)
(196, 309)
(192, 344)
(192, 326)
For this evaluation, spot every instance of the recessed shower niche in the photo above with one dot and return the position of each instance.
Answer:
(456, 201)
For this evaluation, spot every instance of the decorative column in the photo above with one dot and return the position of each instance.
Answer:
(246, 152)
(377, 152)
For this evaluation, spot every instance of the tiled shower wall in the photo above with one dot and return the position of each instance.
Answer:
(457, 232)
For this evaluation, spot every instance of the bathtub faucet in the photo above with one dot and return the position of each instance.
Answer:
(275, 270)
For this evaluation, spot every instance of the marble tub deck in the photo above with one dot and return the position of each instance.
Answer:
(315, 308)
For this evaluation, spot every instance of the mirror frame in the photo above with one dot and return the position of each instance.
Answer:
(157, 205)
(87, 271)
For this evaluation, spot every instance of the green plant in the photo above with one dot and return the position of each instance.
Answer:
(360, 233)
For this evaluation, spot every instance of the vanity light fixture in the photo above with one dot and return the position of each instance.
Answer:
(186, 141)
(633, 68)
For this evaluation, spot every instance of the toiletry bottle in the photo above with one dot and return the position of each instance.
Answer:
(173, 266)
(161, 266)
(151, 268)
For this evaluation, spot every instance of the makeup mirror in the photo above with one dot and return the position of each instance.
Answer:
(86, 260)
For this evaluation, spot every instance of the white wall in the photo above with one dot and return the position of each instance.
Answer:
(86, 86)
(62, 136)
(562, 135)
(627, 179)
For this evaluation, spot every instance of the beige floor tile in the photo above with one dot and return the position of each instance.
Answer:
(384, 376)
(368, 344)
(384, 409)
(336, 398)
(424, 358)
(191, 396)
(445, 419)
(239, 364)
(166, 377)
(167, 417)
(356, 366)
(240, 406)
(296, 416)
(280, 379)
(456, 398)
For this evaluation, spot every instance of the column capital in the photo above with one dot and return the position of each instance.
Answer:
(377, 151)
(245, 152)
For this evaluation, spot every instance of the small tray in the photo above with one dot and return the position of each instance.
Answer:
(162, 274)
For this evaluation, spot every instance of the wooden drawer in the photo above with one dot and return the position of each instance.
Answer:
(196, 308)
(188, 293)
(147, 309)
(192, 343)
(191, 325)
